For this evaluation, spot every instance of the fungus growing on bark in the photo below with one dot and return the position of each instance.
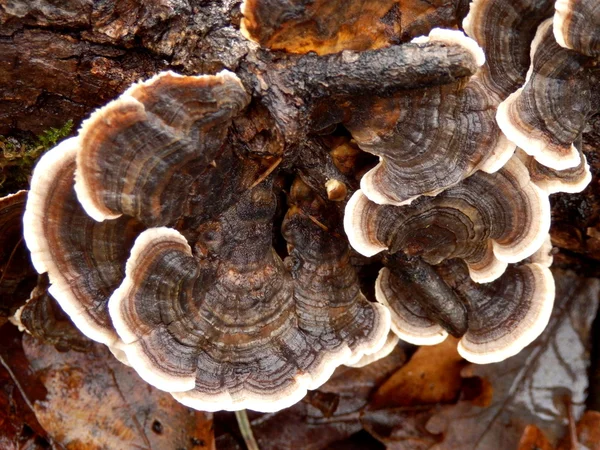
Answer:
(234, 329)
(167, 245)
(389, 346)
(84, 259)
(494, 320)
(488, 220)
(576, 26)
(504, 30)
(549, 112)
(222, 323)
(569, 180)
(151, 143)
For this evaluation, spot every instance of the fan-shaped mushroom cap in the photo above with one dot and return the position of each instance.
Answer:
(415, 295)
(507, 314)
(488, 220)
(324, 26)
(389, 346)
(546, 115)
(428, 139)
(84, 259)
(329, 303)
(504, 29)
(153, 143)
(577, 25)
(569, 180)
(230, 328)
(502, 317)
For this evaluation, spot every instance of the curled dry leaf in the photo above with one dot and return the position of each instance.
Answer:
(588, 432)
(43, 318)
(431, 376)
(534, 439)
(16, 274)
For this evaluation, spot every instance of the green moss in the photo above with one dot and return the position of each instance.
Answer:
(17, 158)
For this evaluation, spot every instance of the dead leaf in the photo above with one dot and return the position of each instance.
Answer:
(534, 439)
(410, 397)
(431, 376)
(17, 276)
(95, 402)
(401, 428)
(19, 428)
(44, 319)
(313, 424)
(532, 387)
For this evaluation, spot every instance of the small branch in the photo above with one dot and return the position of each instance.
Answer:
(378, 72)
(246, 430)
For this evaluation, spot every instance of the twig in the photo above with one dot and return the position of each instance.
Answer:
(246, 429)
(573, 441)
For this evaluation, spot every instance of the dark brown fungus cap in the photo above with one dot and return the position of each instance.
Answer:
(323, 26)
(549, 112)
(84, 259)
(329, 303)
(153, 143)
(389, 346)
(233, 329)
(501, 317)
(577, 25)
(43, 318)
(427, 139)
(504, 29)
(569, 180)
(415, 295)
(488, 220)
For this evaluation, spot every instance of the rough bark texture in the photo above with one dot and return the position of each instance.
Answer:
(60, 60)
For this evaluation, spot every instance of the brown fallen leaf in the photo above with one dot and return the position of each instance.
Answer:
(533, 387)
(17, 276)
(326, 416)
(402, 428)
(403, 405)
(431, 376)
(95, 402)
(534, 439)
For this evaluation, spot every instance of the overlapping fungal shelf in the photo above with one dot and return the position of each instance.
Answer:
(224, 324)
(183, 228)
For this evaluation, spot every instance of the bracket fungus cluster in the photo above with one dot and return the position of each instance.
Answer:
(203, 228)
(222, 323)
